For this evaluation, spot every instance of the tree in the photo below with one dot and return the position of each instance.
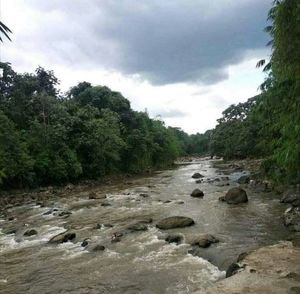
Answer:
(5, 31)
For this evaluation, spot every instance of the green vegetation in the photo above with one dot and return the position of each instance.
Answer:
(268, 125)
(48, 137)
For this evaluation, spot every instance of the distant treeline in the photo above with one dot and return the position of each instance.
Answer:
(268, 125)
(50, 138)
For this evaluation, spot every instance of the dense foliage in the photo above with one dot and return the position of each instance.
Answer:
(269, 125)
(48, 137)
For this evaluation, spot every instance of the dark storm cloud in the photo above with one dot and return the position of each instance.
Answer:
(163, 41)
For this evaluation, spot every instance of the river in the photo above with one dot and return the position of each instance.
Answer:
(142, 262)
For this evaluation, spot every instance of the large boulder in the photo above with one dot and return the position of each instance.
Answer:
(197, 193)
(204, 240)
(175, 222)
(291, 218)
(236, 195)
(197, 176)
(63, 237)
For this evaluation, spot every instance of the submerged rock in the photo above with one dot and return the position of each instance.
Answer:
(175, 222)
(63, 237)
(235, 195)
(197, 176)
(197, 193)
(30, 232)
(204, 240)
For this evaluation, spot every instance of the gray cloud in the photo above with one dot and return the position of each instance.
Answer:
(163, 41)
(170, 113)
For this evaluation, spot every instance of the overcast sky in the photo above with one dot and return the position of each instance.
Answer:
(185, 60)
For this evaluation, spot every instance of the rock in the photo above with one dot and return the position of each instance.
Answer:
(85, 242)
(108, 225)
(175, 222)
(167, 201)
(204, 240)
(293, 199)
(197, 176)
(295, 240)
(199, 181)
(94, 196)
(98, 248)
(243, 180)
(180, 202)
(259, 186)
(270, 269)
(11, 218)
(9, 231)
(233, 269)
(197, 193)
(236, 195)
(144, 195)
(105, 204)
(63, 237)
(146, 220)
(291, 218)
(65, 213)
(222, 198)
(30, 232)
(116, 237)
(137, 227)
(97, 227)
(174, 238)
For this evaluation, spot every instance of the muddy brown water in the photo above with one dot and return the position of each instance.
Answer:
(142, 262)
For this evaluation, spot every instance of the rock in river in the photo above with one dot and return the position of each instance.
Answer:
(291, 218)
(197, 176)
(204, 240)
(98, 248)
(291, 198)
(235, 195)
(197, 193)
(63, 237)
(174, 238)
(175, 222)
(137, 227)
(30, 232)
(244, 179)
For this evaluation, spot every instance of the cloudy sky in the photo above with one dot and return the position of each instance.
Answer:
(182, 60)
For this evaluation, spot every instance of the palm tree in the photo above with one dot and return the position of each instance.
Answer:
(5, 31)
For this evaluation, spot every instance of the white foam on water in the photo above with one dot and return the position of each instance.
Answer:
(71, 250)
(111, 253)
(45, 233)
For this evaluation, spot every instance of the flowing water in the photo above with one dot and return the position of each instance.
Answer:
(142, 262)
